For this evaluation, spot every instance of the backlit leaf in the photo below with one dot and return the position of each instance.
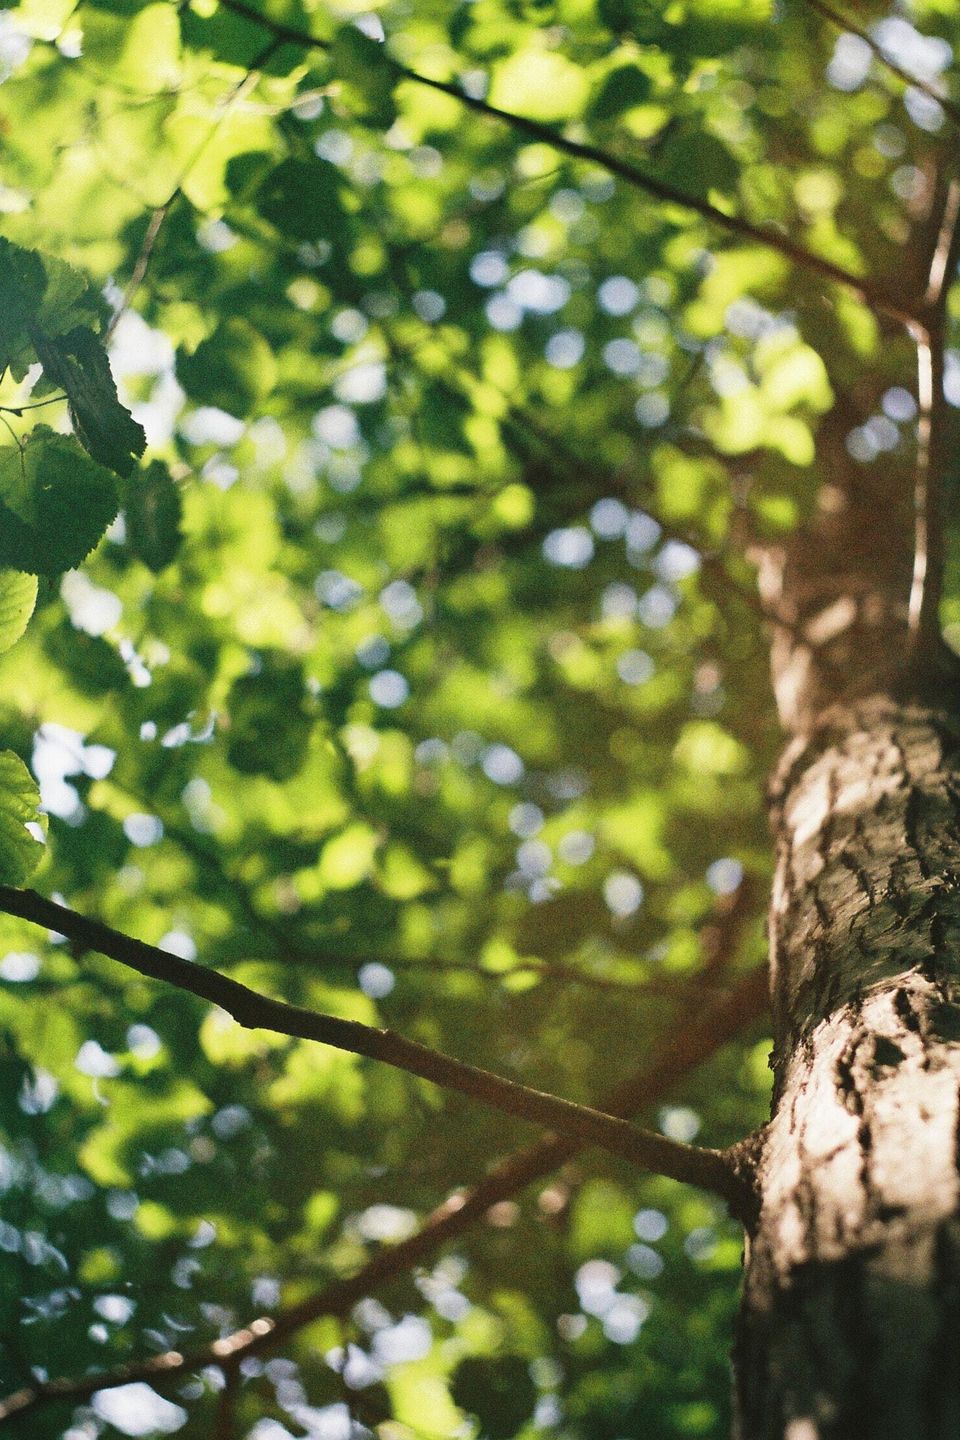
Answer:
(20, 851)
(18, 596)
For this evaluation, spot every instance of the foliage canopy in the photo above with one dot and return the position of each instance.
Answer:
(393, 648)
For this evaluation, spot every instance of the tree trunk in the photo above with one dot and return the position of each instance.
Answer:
(850, 1323)
(851, 1320)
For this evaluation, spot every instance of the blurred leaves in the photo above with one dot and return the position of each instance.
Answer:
(269, 724)
(153, 512)
(499, 1392)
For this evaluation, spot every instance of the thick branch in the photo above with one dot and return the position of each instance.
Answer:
(706, 1168)
(878, 299)
(693, 1043)
(915, 81)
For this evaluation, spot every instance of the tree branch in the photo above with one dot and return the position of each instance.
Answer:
(225, 1418)
(560, 972)
(692, 1044)
(917, 83)
(706, 1168)
(157, 218)
(930, 336)
(878, 299)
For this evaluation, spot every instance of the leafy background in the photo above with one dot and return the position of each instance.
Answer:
(420, 676)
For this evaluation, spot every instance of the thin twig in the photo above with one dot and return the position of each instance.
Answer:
(161, 212)
(143, 260)
(32, 405)
(691, 1164)
(878, 299)
(930, 337)
(915, 81)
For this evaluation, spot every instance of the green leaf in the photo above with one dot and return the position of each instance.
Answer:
(499, 1392)
(20, 851)
(77, 361)
(232, 371)
(90, 662)
(56, 503)
(542, 84)
(303, 200)
(18, 596)
(227, 36)
(623, 88)
(246, 173)
(22, 283)
(441, 416)
(348, 857)
(269, 727)
(69, 299)
(368, 75)
(153, 512)
(699, 163)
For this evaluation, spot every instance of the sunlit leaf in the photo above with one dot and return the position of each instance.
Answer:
(20, 850)
(18, 596)
(542, 84)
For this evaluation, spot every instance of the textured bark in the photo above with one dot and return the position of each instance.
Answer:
(851, 1317)
(839, 586)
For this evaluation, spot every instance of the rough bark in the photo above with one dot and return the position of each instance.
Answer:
(851, 1318)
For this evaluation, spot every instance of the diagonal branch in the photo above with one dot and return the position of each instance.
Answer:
(915, 81)
(157, 218)
(695, 1042)
(878, 299)
(709, 1169)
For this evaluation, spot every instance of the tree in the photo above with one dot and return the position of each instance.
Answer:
(402, 407)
